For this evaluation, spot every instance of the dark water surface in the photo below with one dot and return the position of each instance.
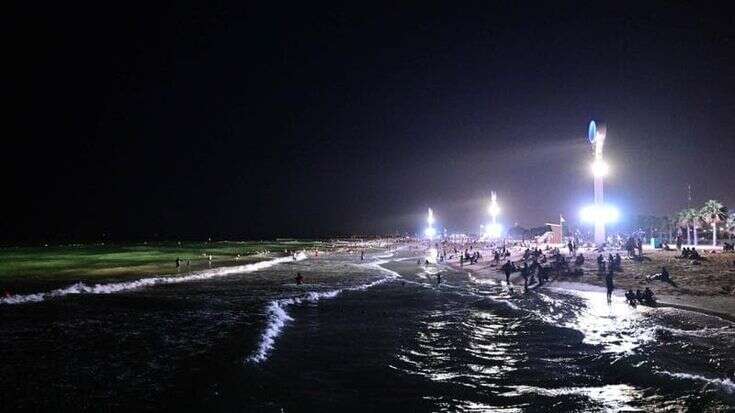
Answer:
(377, 335)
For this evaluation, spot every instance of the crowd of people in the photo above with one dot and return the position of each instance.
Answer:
(646, 297)
(537, 266)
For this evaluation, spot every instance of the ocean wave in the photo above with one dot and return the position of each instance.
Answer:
(726, 384)
(700, 332)
(277, 316)
(116, 287)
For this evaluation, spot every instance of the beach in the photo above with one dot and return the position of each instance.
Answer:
(708, 286)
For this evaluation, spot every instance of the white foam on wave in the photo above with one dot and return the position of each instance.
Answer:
(701, 332)
(277, 316)
(116, 287)
(726, 384)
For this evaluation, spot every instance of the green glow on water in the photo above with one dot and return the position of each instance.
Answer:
(105, 261)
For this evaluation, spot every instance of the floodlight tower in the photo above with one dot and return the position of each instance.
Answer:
(430, 231)
(494, 209)
(596, 135)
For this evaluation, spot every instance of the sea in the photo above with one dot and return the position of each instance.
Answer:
(373, 334)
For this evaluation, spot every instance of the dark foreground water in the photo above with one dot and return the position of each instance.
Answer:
(377, 335)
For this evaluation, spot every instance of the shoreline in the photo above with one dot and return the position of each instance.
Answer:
(694, 303)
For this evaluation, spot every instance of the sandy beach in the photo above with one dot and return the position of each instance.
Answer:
(708, 287)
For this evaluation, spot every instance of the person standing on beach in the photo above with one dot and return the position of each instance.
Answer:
(507, 269)
(610, 285)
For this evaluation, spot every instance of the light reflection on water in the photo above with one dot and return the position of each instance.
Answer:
(614, 397)
(473, 344)
(616, 326)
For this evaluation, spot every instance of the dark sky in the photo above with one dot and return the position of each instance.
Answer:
(240, 120)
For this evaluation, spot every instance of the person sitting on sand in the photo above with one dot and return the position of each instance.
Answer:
(648, 296)
(299, 278)
(665, 275)
(639, 296)
(579, 260)
(693, 254)
(630, 297)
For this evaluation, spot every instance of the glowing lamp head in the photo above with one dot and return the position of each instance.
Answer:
(599, 213)
(430, 232)
(600, 167)
(430, 218)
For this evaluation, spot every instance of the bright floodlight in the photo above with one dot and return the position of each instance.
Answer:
(595, 214)
(600, 168)
(430, 232)
(430, 217)
(494, 209)
(494, 230)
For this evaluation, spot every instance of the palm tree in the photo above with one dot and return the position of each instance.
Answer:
(693, 218)
(696, 220)
(730, 225)
(685, 219)
(713, 213)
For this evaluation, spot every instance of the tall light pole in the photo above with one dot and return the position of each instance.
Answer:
(596, 135)
(494, 229)
(430, 232)
(494, 209)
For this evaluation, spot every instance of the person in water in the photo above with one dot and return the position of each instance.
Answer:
(524, 274)
(438, 279)
(299, 278)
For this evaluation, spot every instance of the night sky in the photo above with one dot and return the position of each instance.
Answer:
(196, 120)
